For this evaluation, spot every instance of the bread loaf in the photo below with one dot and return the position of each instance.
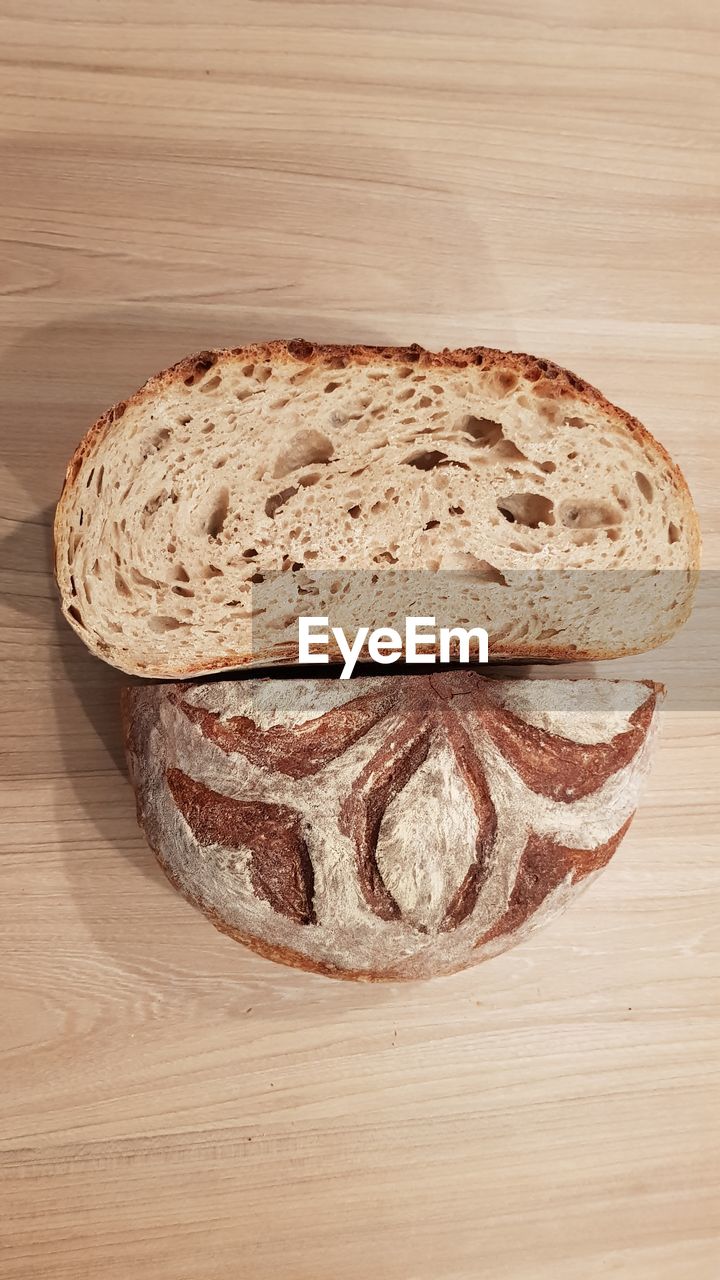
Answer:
(386, 828)
(235, 469)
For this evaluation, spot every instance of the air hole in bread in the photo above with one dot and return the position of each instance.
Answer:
(250, 553)
(141, 579)
(549, 413)
(330, 386)
(210, 384)
(572, 456)
(530, 509)
(207, 429)
(184, 420)
(212, 571)
(456, 511)
(218, 515)
(278, 500)
(75, 613)
(305, 447)
(181, 574)
(385, 557)
(431, 524)
(244, 393)
(589, 514)
(404, 371)
(257, 578)
(487, 572)
(407, 394)
(121, 586)
(483, 431)
(644, 485)
(310, 479)
(161, 622)
(673, 533)
(509, 452)
(578, 423)
(354, 511)
(481, 570)
(425, 459)
(202, 365)
(153, 504)
(424, 401)
(183, 591)
(506, 381)
(547, 467)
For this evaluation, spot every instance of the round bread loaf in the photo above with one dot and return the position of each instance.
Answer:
(390, 827)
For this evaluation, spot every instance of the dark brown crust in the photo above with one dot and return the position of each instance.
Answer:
(303, 750)
(561, 769)
(363, 810)
(465, 899)
(543, 867)
(550, 381)
(280, 868)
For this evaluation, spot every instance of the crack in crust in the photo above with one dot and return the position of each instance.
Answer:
(544, 866)
(557, 767)
(302, 750)
(280, 868)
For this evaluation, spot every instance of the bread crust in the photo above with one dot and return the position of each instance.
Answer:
(550, 380)
(150, 747)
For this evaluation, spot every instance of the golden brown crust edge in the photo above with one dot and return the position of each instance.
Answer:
(550, 380)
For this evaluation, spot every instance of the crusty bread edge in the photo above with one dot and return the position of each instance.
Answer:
(551, 382)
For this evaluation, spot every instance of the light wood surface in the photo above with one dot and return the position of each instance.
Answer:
(174, 175)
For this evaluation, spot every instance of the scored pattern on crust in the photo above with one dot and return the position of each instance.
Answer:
(408, 830)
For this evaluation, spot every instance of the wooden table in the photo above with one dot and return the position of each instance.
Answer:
(174, 175)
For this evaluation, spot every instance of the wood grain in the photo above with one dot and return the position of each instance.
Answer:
(173, 176)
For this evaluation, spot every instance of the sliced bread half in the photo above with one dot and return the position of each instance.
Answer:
(281, 461)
